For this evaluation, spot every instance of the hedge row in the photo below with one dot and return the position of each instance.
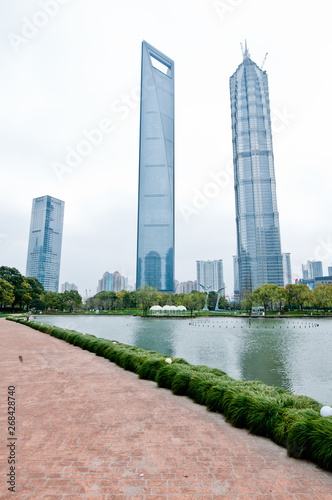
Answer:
(289, 420)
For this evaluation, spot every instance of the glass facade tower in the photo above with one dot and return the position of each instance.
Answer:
(45, 239)
(155, 231)
(259, 256)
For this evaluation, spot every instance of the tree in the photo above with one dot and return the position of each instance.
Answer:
(212, 300)
(322, 297)
(247, 301)
(123, 299)
(279, 296)
(37, 304)
(193, 301)
(22, 294)
(267, 295)
(146, 296)
(223, 303)
(15, 278)
(105, 300)
(36, 289)
(53, 300)
(7, 296)
(298, 296)
(71, 299)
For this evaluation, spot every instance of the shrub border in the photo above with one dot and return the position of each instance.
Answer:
(289, 420)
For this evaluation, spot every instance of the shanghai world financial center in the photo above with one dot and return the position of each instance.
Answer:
(155, 232)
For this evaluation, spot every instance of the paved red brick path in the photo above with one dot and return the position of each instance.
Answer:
(87, 429)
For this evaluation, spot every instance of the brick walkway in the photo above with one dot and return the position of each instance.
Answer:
(87, 429)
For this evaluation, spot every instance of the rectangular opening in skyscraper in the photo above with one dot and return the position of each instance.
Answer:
(160, 65)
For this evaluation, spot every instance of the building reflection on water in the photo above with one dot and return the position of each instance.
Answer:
(155, 335)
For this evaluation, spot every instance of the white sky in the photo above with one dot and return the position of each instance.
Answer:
(81, 64)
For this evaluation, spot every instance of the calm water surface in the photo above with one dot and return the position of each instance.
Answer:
(295, 354)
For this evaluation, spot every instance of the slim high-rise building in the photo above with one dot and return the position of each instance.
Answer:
(286, 264)
(236, 279)
(45, 240)
(155, 228)
(259, 257)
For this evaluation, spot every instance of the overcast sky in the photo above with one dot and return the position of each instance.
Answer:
(72, 66)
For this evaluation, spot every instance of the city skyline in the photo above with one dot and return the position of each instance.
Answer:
(71, 125)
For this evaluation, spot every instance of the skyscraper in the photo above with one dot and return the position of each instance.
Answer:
(312, 269)
(210, 273)
(112, 282)
(259, 257)
(155, 228)
(45, 239)
(236, 279)
(286, 264)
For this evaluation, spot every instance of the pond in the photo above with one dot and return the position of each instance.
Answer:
(295, 354)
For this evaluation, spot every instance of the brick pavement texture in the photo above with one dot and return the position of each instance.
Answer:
(89, 430)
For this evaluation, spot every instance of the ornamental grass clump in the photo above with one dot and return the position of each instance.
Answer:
(207, 369)
(131, 359)
(54, 331)
(101, 347)
(310, 437)
(215, 396)
(166, 374)
(149, 369)
(181, 381)
(261, 415)
(89, 344)
(199, 385)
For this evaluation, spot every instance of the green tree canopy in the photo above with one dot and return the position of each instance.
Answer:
(7, 296)
(53, 300)
(36, 288)
(15, 278)
(71, 299)
(299, 296)
(322, 297)
(147, 296)
(267, 295)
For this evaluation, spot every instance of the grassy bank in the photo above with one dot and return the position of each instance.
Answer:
(289, 420)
